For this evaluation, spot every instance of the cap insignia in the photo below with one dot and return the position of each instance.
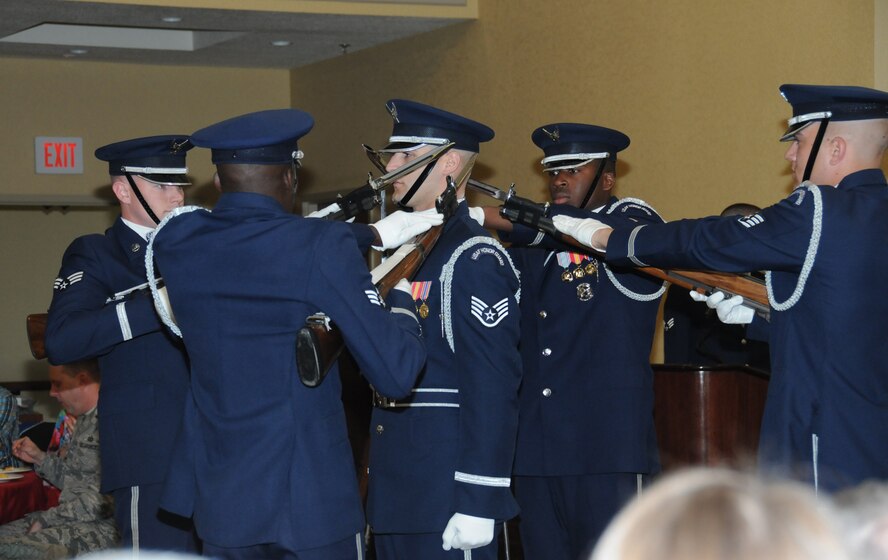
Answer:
(554, 136)
(393, 111)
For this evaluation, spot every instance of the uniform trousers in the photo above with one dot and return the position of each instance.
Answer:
(351, 548)
(144, 526)
(563, 516)
(427, 546)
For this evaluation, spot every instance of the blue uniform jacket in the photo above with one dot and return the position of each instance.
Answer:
(266, 459)
(449, 447)
(587, 394)
(144, 369)
(827, 405)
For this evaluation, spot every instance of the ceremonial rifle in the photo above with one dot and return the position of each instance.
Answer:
(368, 196)
(536, 215)
(319, 342)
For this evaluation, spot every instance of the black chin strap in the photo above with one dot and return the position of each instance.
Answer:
(594, 184)
(141, 198)
(402, 204)
(815, 147)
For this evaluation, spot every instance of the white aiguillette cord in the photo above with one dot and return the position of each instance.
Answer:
(159, 303)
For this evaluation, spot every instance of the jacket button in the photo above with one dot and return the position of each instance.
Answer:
(547, 351)
(379, 429)
(547, 392)
(543, 314)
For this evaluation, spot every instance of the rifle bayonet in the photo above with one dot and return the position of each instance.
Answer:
(369, 195)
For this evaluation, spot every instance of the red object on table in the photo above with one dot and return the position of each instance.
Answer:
(22, 496)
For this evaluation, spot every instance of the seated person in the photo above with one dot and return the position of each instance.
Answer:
(8, 427)
(718, 514)
(61, 433)
(83, 521)
(693, 333)
(863, 516)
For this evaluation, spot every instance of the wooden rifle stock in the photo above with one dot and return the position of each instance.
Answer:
(319, 343)
(535, 215)
(35, 324)
(706, 282)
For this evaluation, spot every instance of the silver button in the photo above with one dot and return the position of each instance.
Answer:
(547, 351)
(135, 247)
(547, 392)
(543, 314)
(379, 429)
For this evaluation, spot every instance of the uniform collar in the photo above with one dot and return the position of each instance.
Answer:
(248, 200)
(141, 231)
(863, 177)
(462, 210)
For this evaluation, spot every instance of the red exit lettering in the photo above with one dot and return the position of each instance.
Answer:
(59, 154)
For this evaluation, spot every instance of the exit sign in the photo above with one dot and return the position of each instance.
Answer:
(58, 155)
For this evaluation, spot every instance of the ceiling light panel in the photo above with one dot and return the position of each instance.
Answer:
(119, 37)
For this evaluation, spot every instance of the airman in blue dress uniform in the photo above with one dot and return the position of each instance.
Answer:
(826, 415)
(265, 464)
(97, 310)
(586, 438)
(441, 459)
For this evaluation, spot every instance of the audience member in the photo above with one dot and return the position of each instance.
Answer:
(863, 516)
(717, 514)
(8, 427)
(693, 334)
(83, 520)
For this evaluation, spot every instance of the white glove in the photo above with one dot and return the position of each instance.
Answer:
(580, 229)
(730, 311)
(405, 286)
(400, 227)
(466, 532)
(477, 214)
(325, 211)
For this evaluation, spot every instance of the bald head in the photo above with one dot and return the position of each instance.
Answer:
(865, 141)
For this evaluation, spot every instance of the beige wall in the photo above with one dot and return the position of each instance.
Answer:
(101, 103)
(693, 82)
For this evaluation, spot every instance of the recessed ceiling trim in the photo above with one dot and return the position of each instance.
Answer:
(119, 37)
(460, 9)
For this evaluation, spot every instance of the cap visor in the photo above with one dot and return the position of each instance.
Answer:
(395, 147)
(163, 179)
(793, 130)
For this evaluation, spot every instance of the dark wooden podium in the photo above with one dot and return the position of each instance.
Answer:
(708, 415)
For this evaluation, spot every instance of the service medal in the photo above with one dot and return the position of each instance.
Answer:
(584, 292)
(579, 272)
(421, 292)
(591, 268)
(567, 276)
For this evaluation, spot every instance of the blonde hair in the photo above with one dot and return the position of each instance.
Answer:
(717, 514)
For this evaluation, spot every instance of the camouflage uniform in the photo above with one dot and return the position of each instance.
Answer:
(83, 521)
(8, 427)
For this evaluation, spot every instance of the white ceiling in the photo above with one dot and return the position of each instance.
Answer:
(102, 31)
